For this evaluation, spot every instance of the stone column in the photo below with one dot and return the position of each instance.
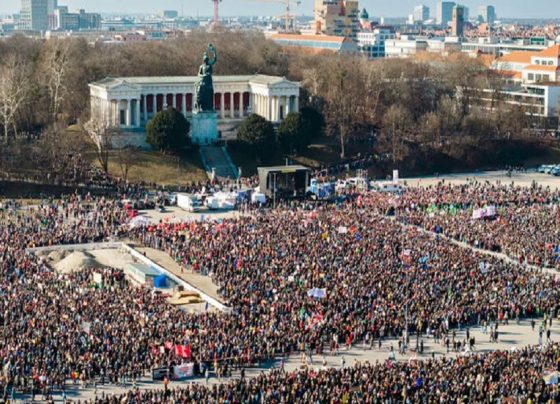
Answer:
(296, 103)
(184, 104)
(231, 105)
(118, 112)
(288, 104)
(154, 104)
(193, 101)
(128, 113)
(137, 120)
(174, 101)
(106, 111)
(222, 105)
(98, 109)
(269, 107)
(241, 106)
(145, 106)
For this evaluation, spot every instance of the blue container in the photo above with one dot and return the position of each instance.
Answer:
(160, 281)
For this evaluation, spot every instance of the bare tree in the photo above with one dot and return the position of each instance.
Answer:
(126, 158)
(103, 136)
(398, 126)
(14, 91)
(55, 66)
(341, 83)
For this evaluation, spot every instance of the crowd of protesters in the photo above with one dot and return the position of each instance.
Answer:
(489, 377)
(526, 225)
(379, 280)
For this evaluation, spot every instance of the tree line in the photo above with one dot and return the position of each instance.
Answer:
(406, 108)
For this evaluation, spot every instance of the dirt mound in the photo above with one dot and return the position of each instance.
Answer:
(76, 261)
(57, 255)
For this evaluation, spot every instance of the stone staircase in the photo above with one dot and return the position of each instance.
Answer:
(217, 158)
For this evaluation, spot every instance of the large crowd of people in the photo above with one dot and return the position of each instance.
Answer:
(489, 377)
(378, 277)
(526, 226)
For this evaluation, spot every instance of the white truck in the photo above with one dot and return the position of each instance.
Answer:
(188, 202)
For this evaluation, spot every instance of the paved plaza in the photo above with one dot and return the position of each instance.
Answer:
(512, 336)
(524, 179)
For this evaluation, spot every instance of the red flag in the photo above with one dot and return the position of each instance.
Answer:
(183, 351)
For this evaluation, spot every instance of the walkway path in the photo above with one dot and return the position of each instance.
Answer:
(217, 158)
(501, 256)
(201, 282)
(512, 336)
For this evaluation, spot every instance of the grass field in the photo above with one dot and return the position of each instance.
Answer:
(152, 166)
(156, 167)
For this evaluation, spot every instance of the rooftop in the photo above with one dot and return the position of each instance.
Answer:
(284, 169)
(553, 51)
(518, 57)
(110, 82)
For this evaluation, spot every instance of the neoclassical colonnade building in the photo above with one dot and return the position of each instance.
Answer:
(130, 102)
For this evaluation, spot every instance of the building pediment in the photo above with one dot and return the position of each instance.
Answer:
(123, 86)
(284, 83)
(273, 82)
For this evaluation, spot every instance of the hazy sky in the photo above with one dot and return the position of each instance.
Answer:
(504, 8)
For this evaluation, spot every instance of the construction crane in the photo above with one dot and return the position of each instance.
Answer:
(288, 16)
(216, 11)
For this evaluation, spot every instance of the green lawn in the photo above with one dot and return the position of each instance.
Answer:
(156, 167)
(153, 166)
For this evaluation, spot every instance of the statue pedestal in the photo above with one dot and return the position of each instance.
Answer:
(204, 128)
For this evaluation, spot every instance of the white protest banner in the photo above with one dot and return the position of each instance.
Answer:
(97, 278)
(86, 326)
(489, 211)
(317, 293)
(183, 371)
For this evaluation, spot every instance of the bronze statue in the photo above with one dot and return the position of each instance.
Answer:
(204, 86)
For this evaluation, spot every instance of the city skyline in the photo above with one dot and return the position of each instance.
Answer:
(504, 8)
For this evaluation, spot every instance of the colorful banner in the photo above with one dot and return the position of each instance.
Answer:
(183, 371)
(489, 211)
(317, 293)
